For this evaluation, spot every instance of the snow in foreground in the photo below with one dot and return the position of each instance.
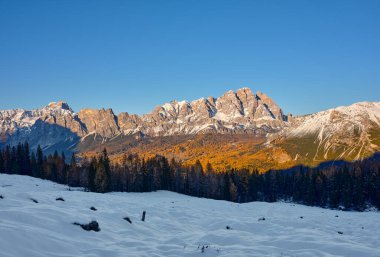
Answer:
(175, 225)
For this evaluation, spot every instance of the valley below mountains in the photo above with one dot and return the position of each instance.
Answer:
(236, 130)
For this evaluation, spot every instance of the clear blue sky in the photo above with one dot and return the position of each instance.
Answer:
(134, 55)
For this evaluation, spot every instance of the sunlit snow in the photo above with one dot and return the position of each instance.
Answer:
(176, 225)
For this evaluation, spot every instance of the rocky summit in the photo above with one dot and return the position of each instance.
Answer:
(249, 127)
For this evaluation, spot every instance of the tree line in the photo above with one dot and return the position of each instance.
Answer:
(348, 185)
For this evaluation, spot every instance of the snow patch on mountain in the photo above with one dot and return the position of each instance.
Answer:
(358, 115)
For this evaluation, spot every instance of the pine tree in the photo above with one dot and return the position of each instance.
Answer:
(166, 175)
(39, 163)
(103, 174)
(91, 175)
(226, 187)
(33, 164)
(1, 163)
(73, 173)
(7, 159)
(27, 164)
(253, 185)
(62, 169)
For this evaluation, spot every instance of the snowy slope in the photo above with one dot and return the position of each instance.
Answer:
(346, 132)
(338, 119)
(176, 225)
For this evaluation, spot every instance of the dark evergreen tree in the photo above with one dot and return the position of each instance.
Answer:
(2, 170)
(103, 173)
(39, 163)
(91, 175)
(353, 186)
(73, 174)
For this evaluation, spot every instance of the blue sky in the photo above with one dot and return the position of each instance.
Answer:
(134, 55)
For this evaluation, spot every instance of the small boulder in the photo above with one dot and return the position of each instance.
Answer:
(261, 219)
(93, 208)
(60, 199)
(301, 217)
(93, 225)
(228, 227)
(1, 197)
(340, 232)
(128, 219)
(34, 200)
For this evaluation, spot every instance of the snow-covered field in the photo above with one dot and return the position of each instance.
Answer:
(176, 225)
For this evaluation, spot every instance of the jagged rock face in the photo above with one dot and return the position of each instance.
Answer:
(61, 114)
(240, 112)
(347, 132)
(249, 102)
(129, 124)
(55, 113)
(350, 132)
(271, 106)
(54, 126)
(230, 106)
(102, 122)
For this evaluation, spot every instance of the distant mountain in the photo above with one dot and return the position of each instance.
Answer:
(347, 132)
(237, 129)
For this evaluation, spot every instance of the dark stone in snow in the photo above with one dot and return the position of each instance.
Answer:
(60, 199)
(1, 197)
(143, 216)
(127, 219)
(340, 232)
(336, 216)
(93, 208)
(93, 225)
(34, 200)
(301, 217)
(262, 219)
(228, 227)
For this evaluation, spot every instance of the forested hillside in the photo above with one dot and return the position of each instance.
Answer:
(346, 185)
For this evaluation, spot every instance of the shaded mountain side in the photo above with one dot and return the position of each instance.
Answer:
(51, 137)
(375, 157)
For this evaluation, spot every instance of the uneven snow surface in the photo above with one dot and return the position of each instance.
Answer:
(175, 225)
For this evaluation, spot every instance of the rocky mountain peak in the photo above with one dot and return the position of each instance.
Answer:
(100, 121)
(59, 105)
(233, 112)
(340, 132)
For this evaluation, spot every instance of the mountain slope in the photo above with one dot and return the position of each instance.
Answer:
(240, 112)
(237, 129)
(347, 132)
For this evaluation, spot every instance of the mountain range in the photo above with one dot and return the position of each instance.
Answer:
(237, 129)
